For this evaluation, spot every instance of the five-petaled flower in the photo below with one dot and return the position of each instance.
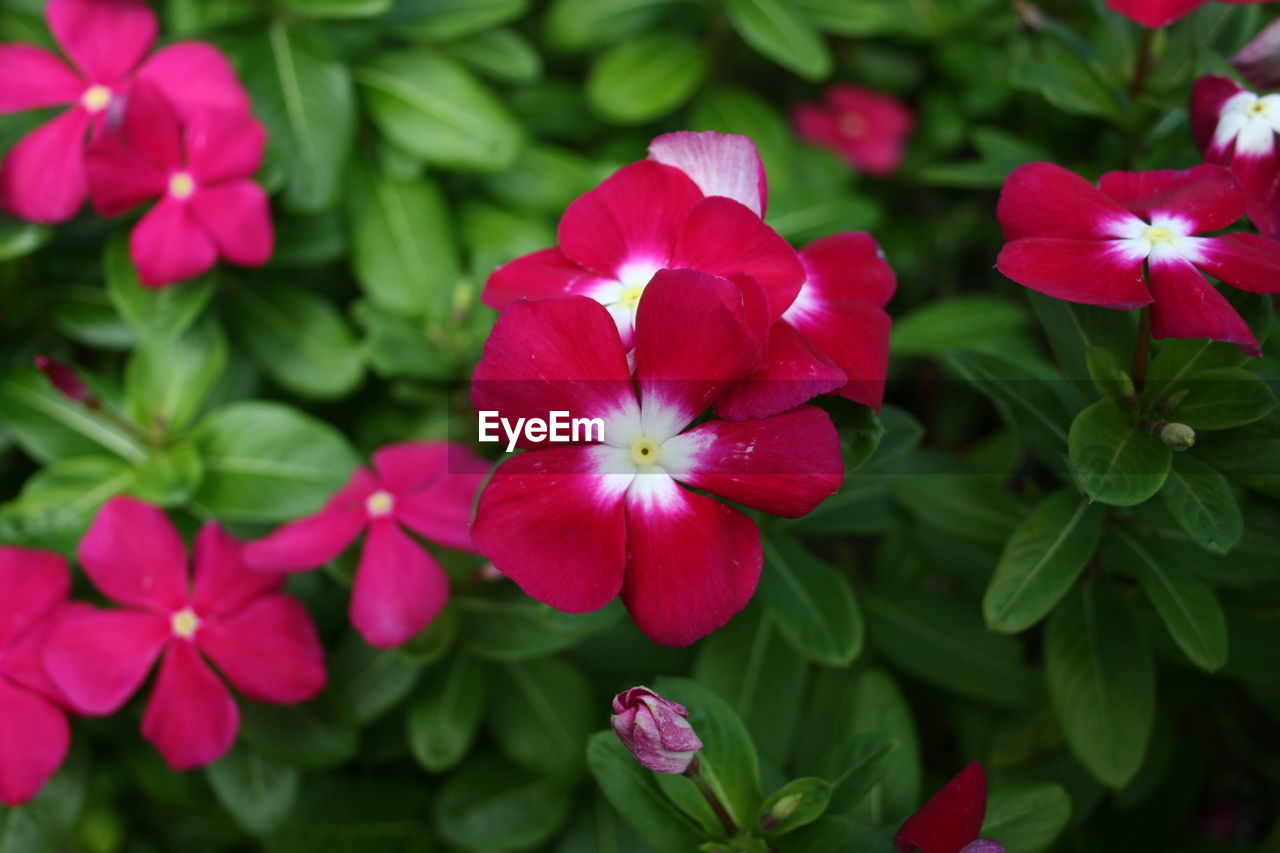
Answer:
(399, 588)
(576, 525)
(654, 730)
(34, 735)
(1237, 128)
(43, 178)
(261, 640)
(200, 170)
(868, 129)
(1083, 243)
(1162, 13)
(952, 818)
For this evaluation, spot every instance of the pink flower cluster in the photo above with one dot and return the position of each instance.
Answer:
(173, 126)
(666, 298)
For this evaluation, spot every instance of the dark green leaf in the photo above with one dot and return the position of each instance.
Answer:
(366, 683)
(542, 712)
(444, 719)
(521, 629)
(308, 735)
(257, 791)
(1201, 501)
(44, 824)
(581, 24)
(1027, 817)
(1116, 461)
(631, 790)
(446, 20)
(936, 327)
(795, 804)
(488, 805)
(1222, 398)
(339, 8)
(811, 602)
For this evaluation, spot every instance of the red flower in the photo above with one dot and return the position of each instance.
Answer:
(1259, 61)
(576, 526)
(43, 178)
(1162, 13)
(34, 735)
(1071, 240)
(201, 172)
(428, 487)
(952, 818)
(1236, 128)
(650, 216)
(868, 129)
(262, 640)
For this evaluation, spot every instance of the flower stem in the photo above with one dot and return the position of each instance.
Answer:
(1141, 350)
(694, 773)
(1141, 65)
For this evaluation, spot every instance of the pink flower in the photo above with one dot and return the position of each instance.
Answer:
(952, 818)
(64, 380)
(650, 216)
(868, 129)
(1071, 240)
(34, 735)
(428, 487)
(1162, 13)
(1259, 61)
(200, 170)
(261, 640)
(43, 178)
(654, 730)
(1236, 128)
(577, 525)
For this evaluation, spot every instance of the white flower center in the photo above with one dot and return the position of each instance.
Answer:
(379, 504)
(1249, 121)
(185, 623)
(181, 185)
(1163, 238)
(96, 98)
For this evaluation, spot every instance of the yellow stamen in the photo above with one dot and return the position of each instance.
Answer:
(379, 504)
(181, 185)
(184, 623)
(1158, 234)
(645, 452)
(96, 98)
(631, 296)
(1258, 106)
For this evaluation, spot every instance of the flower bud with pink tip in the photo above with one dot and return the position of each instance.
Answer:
(654, 730)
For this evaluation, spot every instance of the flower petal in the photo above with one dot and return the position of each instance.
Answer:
(1210, 94)
(32, 78)
(721, 164)
(854, 335)
(195, 76)
(848, 265)
(539, 275)
(314, 540)
(1094, 272)
(1206, 198)
(34, 583)
(552, 520)
(223, 146)
(133, 554)
(269, 650)
(99, 658)
(693, 561)
(119, 177)
(632, 217)
(1258, 175)
(223, 582)
(191, 717)
(784, 465)
(951, 818)
(170, 245)
(1256, 61)
(151, 127)
(1046, 200)
(106, 40)
(34, 737)
(399, 587)
(42, 178)
(1155, 13)
(1187, 306)
(237, 215)
(1246, 261)
(983, 845)
(23, 662)
(435, 484)
(796, 372)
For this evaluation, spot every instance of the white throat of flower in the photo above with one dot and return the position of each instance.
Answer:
(1164, 238)
(622, 295)
(1250, 121)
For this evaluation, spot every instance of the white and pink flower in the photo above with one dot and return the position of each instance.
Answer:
(1237, 128)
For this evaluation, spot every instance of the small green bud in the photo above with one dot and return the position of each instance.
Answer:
(1176, 436)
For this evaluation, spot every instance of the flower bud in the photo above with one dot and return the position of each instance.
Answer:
(654, 730)
(1176, 436)
(64, 380)
(982, 845)
(1259, 60)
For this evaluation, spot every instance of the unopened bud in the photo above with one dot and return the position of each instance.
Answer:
(1176, 436)
(982, 845)
(654, 730)
(64, 380)
(1259, 60)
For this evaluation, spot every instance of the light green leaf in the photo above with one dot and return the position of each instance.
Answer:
(59, 501)
(152, 312)
(777, 30)
(648, 77)
(795, 804)
(170, 475)
(1115, 461)
(582, 24)
(501, 54)
(339, 8)
(50, 426)
(446, 20)
(167, 379)
(936, 327)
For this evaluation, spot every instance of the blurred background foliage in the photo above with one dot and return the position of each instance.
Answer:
(414, 146)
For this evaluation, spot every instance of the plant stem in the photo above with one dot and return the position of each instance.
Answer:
(1141, 64)
(1141, 350)
(712, 800)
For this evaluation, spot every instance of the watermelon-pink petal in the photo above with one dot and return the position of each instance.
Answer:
(33, 583)
(539, 275)
(1243, 260)
(196, 77)
(848, 265)
(399, 588)
(32, 78)
(133, 555)
(152, 128)
(223, 146)
(721, 164)
(1094, 272)
(854, 335)
(1155, 13)
(1209, 96)
(314, 540)
(1187, 306)
(170, 244)
(1046, 200)
(435, 485)
(34, 737)
(99, 658)
(796, 372)
(223, 582)
(119, 177)
(42, 178)
(237, 215)
(190, 718)
(104, 38)
(1206, 197)
(268, 650)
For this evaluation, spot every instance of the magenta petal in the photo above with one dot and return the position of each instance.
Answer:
(1155, 13)
(539, 275)
(223, 146)
(170, 245)
(1206, 198)
(785, 465)
(34, 737)
(415, 465)
(119, 177)
(99, 658)
(1046, 200)
(854, 335)
(223, 583)
(848, 265)
(951, 818)
(1210, 94)
(195, 76)
(269, 650)
(105, 38)
(721, 164)
(1095, 272)
(237, 215)
(314, 540)
(1258, 176)
(1246, 261)
(552, 521)
(23, 662)
(693, 562)
(42, 178)
(133, 554)
(632, 217)
(32, 78)
(796, 372)
(399, 587)
(1259, 61)
(435, 485)
(191, 718)
(33, 584)
(1187, 306)
(151, 127)
(983, 845)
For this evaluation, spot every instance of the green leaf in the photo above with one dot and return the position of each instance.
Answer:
(339, 8)
(504, 55)
(1115, 461)
(812, 604)
(50, 426)
(308, 735)
(936, 327)
(1102, 684)
(781, 33)
(581, 24)
(974, 507)
(1186, 604)
(541, 715)
(19, 238)
(1201, 501)
(300, 340)
(443, 720)
(856, 764)
(795, 804)
(269, 462)
(1074, 328)
(168, 379)
(366, 683)
(170, 475)
(1062, 79)
(1222, 398)
(1027, 817)
(45, 823)
(631, 790)
(152, 312)
(359, 812)
(60, 500)
(520, 629)
(1041, 561)
(839, 834)
(306, 100)
(259, 792)
(402, 247)
(489, 805)
(648, 77)
(446, 20)
(437, 111)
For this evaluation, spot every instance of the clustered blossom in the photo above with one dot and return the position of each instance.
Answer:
(1162, 13)
(174, 125)
(654, 730)
(951, 819)
(868, 129)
